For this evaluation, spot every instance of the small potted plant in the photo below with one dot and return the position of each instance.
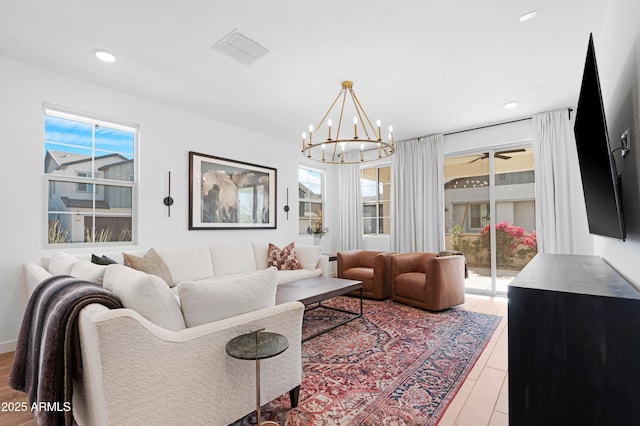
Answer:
(317, 230)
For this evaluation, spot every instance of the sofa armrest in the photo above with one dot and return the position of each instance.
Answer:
(346, 260)
(449, 269)
(382, 272)
(323, 263)
(137, 372)
(34, 275)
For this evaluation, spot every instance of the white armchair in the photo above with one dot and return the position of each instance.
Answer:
(135, 372)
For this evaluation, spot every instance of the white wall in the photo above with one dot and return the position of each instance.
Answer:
(166, 137)
(617, 46)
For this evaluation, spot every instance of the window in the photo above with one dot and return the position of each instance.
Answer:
(83, 186)
(89, 165)
(310, 199)
(479, 216)
(376, 206)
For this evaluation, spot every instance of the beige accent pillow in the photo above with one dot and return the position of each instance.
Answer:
(151, 263)
(146, 294)
(213, 300)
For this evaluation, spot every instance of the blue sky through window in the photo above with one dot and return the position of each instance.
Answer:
(71, 136)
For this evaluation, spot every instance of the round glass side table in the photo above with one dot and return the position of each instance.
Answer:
(257, 345)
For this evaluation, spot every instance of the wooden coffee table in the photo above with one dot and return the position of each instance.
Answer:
(313, 291)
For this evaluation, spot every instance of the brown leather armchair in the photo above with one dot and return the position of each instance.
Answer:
(426, 281)
(369, 266)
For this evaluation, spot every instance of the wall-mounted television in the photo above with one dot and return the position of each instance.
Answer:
(600, 180)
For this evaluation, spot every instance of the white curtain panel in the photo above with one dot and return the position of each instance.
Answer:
(561, 217)
(350, 214)
(417, 195)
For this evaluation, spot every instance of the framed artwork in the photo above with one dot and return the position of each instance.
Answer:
(229, 194)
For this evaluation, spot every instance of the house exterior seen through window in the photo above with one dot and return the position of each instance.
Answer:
(310, 200)
(89, 165)
(376, 205)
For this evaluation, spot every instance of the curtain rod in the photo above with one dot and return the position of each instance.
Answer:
(569, 110)
(488, 125)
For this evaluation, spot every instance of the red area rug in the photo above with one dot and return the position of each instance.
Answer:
(395, 366)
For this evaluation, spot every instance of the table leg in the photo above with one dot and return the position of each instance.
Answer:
(258, 422)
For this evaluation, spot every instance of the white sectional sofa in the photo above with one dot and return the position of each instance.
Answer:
(195, 263)
(161, 359)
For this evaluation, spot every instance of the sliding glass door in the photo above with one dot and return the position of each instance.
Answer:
(490, 214)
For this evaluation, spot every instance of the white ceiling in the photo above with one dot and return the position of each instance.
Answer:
(424, 66)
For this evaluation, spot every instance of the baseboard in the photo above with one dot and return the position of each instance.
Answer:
(7, 347)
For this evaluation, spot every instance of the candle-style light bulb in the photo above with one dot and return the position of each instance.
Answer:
(323, 146)
(391, 135)
(378, 123)
(329, 123)
(355, 127)
(310, 133)
(304, 139)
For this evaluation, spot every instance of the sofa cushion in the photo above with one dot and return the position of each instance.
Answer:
(88, 271)
(309, 256)
(285, 258)
(229, 259)
(146, 294)
(187, 263)
(285, 277)
(219, 298)
(61, 263)
(151, 263)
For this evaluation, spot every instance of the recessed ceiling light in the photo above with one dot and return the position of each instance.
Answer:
(105, 56)
(510, 105)
(528, 16)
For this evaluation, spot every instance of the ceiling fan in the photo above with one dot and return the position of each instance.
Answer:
(498, 154)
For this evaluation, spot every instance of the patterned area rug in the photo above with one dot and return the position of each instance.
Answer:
(395, 366)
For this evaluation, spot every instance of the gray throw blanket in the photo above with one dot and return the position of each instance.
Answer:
(47, 355)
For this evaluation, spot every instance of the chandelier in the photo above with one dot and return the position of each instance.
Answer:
(366, 139)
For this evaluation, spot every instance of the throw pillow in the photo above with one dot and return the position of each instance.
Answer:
(151, 263)
(61, 263)
(213, 300)
(146, 294)
(89, 271)
(283, 259)
(102, 260)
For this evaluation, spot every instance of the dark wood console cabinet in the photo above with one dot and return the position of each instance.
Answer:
(574, 344)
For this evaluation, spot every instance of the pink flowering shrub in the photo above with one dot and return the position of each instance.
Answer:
(511, 241)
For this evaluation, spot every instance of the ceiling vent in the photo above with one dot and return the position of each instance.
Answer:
(240, 47)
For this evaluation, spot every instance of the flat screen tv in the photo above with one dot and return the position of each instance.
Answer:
(600, 181)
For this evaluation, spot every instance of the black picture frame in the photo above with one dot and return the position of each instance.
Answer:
(231, 194)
